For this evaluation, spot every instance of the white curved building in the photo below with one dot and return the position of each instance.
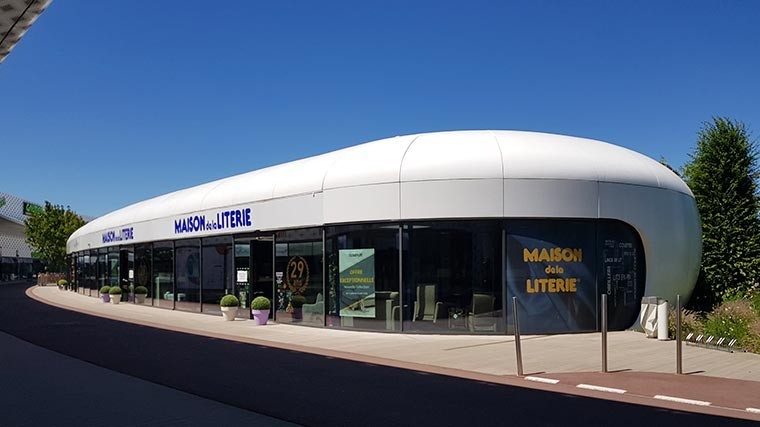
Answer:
(426, 233)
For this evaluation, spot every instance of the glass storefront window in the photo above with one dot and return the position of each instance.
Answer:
(551, 270)
(143, 272)
(621, 272)
(217, 272)
(243, 273)
(127, 272)
(459, 276)
(453, 277)
(163, 274)
(102, 270)
(363, 277)
(298, 274)
(92, 272)
(187, 266)
(114, 272)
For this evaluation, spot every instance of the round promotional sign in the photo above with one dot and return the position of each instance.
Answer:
(297, 274)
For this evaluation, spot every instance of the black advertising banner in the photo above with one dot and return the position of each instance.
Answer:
(621, 273)
(551, 271)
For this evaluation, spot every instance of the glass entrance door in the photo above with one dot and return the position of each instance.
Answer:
(262, 268)
(253, 270)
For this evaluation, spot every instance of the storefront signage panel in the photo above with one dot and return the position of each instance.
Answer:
(357, 282)
(550, 269)
(121, 235)
(220, 220)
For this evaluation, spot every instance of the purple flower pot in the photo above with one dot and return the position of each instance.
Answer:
(260, 316)
(106, 297)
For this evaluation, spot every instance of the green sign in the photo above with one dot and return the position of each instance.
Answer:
(357, 282)
(31, 207)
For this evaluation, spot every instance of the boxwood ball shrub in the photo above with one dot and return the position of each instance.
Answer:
(115, 290)
(141, 290)
(298, 301)
(260, 303)
(62, 283)
(105, 289)
(229, 301)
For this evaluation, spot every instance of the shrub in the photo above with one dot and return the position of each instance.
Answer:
(260, 303)
(732, 319)
(690, 322)
(62, 283)
(141, 290)
(115, 290)
(754, 300)
(105, 289)
(752, 341)
(229, 301)
(298, 301)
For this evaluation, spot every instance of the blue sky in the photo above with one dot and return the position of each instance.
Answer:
(111, 102)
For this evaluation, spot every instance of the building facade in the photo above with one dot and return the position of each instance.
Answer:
(16, 260)
(422, 233)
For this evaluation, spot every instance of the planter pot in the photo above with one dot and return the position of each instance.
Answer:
(260, 316)
(229, 313)
(115, 299)
(139, 298)
(297, 314)
(105, 297)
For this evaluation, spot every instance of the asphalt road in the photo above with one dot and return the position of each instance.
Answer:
(304, 388)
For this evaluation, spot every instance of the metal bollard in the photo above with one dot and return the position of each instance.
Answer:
(518, 348)
(604, 332)
(679, 355)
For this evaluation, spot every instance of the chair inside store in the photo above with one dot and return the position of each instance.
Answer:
(426, 307)
(481, 315)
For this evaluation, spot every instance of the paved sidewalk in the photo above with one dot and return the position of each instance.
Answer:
(482, 354)
(642, 368)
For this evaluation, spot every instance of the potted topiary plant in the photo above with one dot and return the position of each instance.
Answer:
(62, 284)
(260, 309)
(229, 305)
(140, 293)
(297, 301)
(115, 293)
(104, 293)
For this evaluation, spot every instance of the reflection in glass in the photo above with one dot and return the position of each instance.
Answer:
(143, 272)
(102, 270)
(163, 274)
(217, 272)
(452, 277)
(92, 272)
(363, 277)
(243, 274)
(298, 273)
(621, 272)
(187, 264)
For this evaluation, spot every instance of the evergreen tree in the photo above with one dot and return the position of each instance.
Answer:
(47, 231)
(722, 174)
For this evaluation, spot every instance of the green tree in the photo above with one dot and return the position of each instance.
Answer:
(47, 231)
(722, 174)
